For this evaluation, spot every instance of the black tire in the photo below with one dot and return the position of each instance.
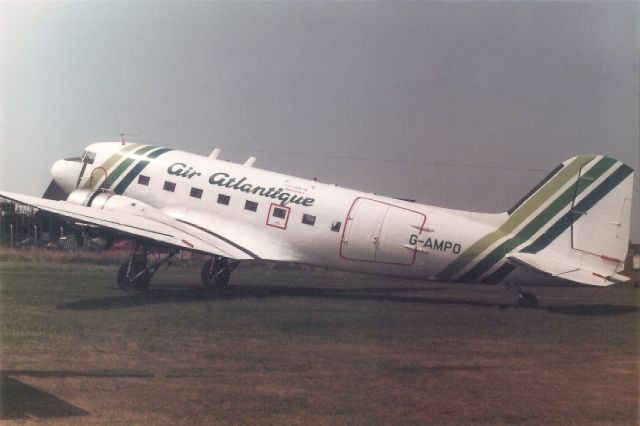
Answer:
(140, 283)
(528, 300)
(211, 278)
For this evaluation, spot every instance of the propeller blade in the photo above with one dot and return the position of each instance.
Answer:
(55, 192)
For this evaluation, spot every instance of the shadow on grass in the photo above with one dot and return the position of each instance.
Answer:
(183, 294)
(66, 374)
(108, 374)
(21, 401)
(178, 294)
(594, 310)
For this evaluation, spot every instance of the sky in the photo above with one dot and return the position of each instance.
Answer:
(461, 105)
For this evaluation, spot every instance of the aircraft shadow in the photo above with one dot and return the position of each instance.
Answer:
(65, 374)
(594, 310)
(168, 294)
(21, 401)
(192, 294)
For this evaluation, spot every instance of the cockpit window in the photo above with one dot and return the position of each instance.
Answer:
(88, 157)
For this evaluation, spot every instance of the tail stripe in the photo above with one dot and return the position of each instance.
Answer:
(534, 190)
(520, 215)
(535, 225)
(584, 205)
(500, 273)
(544, 240)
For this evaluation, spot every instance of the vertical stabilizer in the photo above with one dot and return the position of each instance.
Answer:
(590, 237)
(573, 225)
(601, 214)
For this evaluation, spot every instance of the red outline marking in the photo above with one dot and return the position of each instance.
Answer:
(286, 221)
(346, 224)
(610, 259)
(187, 243)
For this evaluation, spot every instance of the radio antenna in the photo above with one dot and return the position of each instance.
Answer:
(122, 135)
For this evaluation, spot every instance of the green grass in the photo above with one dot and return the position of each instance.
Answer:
(301, 346)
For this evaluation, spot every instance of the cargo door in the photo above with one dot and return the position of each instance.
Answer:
(376, 231)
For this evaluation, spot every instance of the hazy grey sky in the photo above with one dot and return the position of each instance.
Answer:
(521, 85)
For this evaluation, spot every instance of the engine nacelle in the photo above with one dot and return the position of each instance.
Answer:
(107, 200)
(80, 197)
(97, 199)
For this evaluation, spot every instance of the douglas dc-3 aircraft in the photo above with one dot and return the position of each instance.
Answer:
(573, 227)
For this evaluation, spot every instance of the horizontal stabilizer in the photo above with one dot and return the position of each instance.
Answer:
(565, 270)
(592, 278)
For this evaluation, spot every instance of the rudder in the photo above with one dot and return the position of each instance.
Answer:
(601, 215)
(588, 243)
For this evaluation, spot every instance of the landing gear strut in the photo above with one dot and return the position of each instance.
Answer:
(216, 271)
(526, 300)
(134, 274)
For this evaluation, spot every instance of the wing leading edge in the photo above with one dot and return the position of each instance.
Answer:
(140, 220)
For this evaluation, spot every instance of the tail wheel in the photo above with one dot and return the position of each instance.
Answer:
(215, 273)
(528, 300)
(133, 276)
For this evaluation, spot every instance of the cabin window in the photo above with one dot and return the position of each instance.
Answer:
(279, 213)
(251, 206)
(224, 199)
(335, 225)
(169, 186)
(196, 192)
(308, 219)
(143, 180)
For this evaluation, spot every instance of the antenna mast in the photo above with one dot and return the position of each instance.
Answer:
(122, 135)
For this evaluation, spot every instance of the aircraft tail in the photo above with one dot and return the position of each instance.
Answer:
(577, 221)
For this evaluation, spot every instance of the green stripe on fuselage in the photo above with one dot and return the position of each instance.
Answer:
(518, 217)
(124, 165)
(113, 160)
(118, 155)
(135, 170)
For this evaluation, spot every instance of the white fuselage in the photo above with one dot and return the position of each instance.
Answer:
(286, 218)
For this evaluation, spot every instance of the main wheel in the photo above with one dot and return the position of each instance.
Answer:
(130, 280)
(528, 300)
(214, 273)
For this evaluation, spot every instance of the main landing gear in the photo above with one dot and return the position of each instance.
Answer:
(134, 274)
(216, 271)
(526, 300)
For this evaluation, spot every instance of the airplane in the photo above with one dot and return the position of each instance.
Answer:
(572, 228)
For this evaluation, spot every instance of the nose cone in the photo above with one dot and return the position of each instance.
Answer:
(65, 173)
(57, 170)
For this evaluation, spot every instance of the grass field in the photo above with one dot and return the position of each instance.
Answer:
(298, 346)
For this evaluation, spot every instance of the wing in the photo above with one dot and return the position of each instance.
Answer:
(137, 219)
